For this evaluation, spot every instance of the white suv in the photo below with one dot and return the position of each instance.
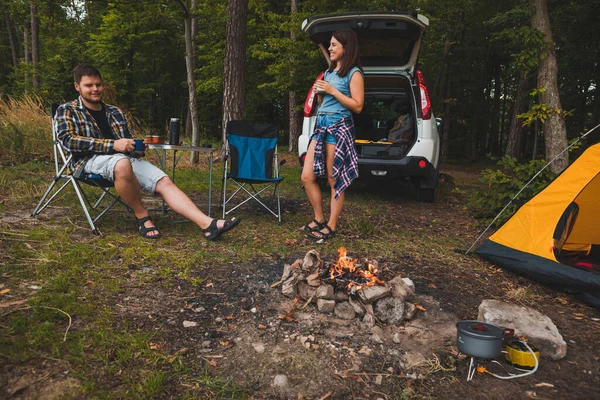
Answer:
(396, 133)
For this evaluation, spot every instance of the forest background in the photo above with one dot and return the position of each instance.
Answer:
(480, 60)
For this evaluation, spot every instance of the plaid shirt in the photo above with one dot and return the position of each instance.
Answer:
(79, 134)
(345, 159)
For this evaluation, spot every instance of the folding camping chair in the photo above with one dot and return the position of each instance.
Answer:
(251, 155)
(62, 159)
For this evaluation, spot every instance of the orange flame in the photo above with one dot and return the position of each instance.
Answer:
(346, 264)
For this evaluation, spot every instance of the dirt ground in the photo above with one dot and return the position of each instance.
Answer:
(238, 332)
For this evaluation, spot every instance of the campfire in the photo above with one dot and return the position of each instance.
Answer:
(348, 289)
(350, 275)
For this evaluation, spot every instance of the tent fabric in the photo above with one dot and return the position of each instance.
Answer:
(563, 218)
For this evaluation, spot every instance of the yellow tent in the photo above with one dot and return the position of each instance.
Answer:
(555, 237)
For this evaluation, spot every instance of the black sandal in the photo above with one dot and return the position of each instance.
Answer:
(143, 231)
(214, 232)
(318, 227)
(323, 235)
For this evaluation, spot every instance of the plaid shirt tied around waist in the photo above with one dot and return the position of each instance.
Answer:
(79, 134)
(345, 160)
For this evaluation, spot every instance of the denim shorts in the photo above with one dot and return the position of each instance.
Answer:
(326, 119)
(146, 173)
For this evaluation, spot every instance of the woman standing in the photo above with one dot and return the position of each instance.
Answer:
(331, 148)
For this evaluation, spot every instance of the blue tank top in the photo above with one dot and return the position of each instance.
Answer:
(330, 104)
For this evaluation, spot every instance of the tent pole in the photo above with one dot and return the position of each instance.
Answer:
(527, 184)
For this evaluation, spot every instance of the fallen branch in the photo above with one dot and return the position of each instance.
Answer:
(309, 300)
(13, 303)
(48, 308)
(13, 233)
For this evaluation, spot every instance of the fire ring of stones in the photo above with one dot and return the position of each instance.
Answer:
(348, 289)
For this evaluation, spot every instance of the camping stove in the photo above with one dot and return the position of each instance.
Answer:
(485, 342)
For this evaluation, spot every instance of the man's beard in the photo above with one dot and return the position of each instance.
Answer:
(91, 100)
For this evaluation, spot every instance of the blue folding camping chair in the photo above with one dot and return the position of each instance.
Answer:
(252, 166)
(62, 159)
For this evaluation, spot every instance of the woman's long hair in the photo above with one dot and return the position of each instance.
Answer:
(351, 57)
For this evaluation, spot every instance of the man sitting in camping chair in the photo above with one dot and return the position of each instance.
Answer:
(98, 136)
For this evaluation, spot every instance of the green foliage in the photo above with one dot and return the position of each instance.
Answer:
(540, 112)
(501, 185)
(140, 50)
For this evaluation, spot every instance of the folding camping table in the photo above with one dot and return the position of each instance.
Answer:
(161, 151)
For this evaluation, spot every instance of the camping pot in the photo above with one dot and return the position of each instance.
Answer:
(155, 139)
(480, 339)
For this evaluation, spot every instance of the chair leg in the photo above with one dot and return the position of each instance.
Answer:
(43, 207)
(37, 209)
(278, 203)
(105, 192)
(82, 201)
(59, 175)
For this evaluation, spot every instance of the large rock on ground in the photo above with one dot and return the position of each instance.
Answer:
(390, 310)
(538, 327)
(400, 289)
(344, 311)
(370, 294)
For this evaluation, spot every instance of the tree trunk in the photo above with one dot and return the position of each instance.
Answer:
(494, 141)
(11, 38)
(188, 120)
(35, 43)
(235, 61)
(446, 93)
(295, 119)
(27, 57)
(555, 129)
(515, 134)
(191, 82)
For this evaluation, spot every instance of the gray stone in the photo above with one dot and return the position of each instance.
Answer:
(378, 381)
(390, 310)
(287, 270)
(340, 296)
(305, 290)
(400, 289)
(370, 294)
(410, 284)
(311, 261)
(280, 381)
(538, 327)
(409, 311)
(259, 347)
(314, 280)
(325, 306)
(189, 324)
(357, 306)
(325, 292)
(344, 311)
(376, 339)
(290, 287)
(369, 319)
(396, 338)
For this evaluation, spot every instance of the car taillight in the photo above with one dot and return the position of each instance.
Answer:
(302, 158)
(425, 103)
(310, 103)
(422, 164)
